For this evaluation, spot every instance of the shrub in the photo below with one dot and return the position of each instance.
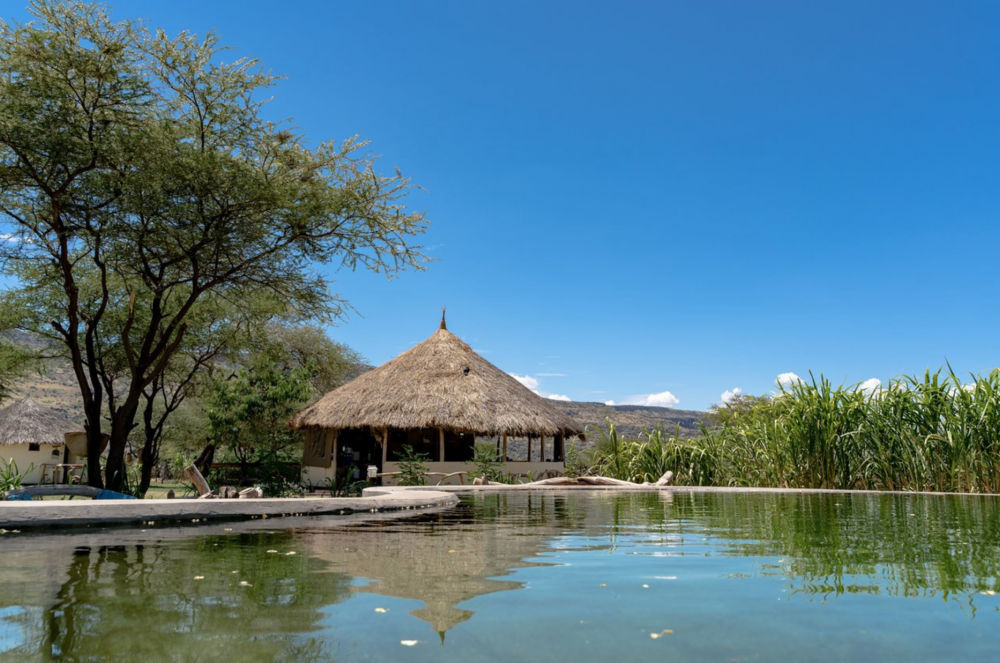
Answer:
(412, 471)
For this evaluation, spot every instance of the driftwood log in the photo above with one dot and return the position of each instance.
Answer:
(665, 480)
(251, 494)
(199, 481)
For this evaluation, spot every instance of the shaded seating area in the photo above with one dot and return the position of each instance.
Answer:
(438, 398)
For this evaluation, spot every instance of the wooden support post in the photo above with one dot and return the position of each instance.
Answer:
(440, 445)
(333, 451)
(559, 452)
(529, 448)
(198, 480)
(385, 447)
(505, 447)
(541, 447)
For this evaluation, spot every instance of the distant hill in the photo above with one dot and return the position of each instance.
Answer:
(631, 420)
(57, 389)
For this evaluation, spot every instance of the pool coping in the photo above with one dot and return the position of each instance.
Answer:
(638, 488)
(80, 513)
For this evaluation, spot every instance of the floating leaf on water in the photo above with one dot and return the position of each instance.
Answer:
(451, 551)
(272, 551)
(199, 577)
(666, 631)
(603, 585)
(381, 610)
(408, 643)
(244, 583)
(228, 529)
(290, 553)
(645, 586)
(234, 571)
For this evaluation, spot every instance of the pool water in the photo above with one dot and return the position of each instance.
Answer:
(526, 576)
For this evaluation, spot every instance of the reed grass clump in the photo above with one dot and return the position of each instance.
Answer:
(651, 456)
(932, 432)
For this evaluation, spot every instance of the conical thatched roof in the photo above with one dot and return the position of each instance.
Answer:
(440, 383)
(26, 421)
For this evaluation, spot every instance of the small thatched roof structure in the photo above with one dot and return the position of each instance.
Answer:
(440, 383)
(26, 421)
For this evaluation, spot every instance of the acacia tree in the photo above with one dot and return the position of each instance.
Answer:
(139, 177)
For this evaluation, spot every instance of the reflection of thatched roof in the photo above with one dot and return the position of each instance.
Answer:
(442, 568)
(26, 421)
(440, 383)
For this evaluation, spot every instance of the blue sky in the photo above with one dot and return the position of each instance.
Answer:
(635, 198)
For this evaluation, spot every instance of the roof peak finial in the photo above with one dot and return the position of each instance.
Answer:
(444, 325)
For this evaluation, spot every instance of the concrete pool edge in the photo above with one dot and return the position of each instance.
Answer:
(79, 513)
(501, 487)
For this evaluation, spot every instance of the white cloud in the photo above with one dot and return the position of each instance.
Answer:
(730, 394)
(528, 381)
(609, 402)
(534, 384)
(871, 386)
(787, 379)
(662, 399)
(551, 375)
(7, 237)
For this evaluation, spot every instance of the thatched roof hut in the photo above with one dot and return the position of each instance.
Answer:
(27, 422)
(441, 383)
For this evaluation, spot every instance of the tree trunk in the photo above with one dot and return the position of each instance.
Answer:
(94, 441)
(150, 454)
(114, 469)
(149, 457)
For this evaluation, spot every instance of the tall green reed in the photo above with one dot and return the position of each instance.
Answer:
(931, 432)
(651, 456)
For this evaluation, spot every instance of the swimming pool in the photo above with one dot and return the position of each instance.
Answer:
(693, 576)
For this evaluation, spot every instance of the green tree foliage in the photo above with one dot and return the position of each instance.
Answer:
(308, 346)
(281, 347)
(247, 416)
(141, 187)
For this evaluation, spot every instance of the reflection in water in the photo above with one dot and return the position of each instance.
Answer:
(518, 562)
(451, 557)
(142, 602)
(893, 545)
